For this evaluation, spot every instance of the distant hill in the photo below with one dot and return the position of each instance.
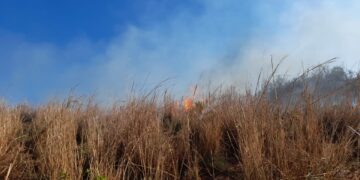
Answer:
(328, 85)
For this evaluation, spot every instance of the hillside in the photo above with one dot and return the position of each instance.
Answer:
(223, 135)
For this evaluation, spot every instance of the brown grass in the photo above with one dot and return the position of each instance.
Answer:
(228, 136)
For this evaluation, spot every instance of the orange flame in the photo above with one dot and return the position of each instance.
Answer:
(188, 104)
(189, 101)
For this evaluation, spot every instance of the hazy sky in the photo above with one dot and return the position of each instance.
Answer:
(103, 47)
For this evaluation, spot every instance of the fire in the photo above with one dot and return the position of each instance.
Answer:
(189, 101)
(188, 104)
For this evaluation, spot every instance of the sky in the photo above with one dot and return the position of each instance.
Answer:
(110, 48)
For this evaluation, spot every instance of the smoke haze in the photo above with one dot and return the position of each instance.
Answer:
(225, 42)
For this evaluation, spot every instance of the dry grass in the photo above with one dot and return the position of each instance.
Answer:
(228, 136)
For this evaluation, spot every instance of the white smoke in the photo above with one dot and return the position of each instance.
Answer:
(226, 42)
(308, 33)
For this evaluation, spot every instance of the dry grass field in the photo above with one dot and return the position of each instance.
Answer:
(97, 90)
(223, 136)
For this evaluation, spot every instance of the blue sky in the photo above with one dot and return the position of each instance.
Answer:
(61, 22)
(102, 47)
